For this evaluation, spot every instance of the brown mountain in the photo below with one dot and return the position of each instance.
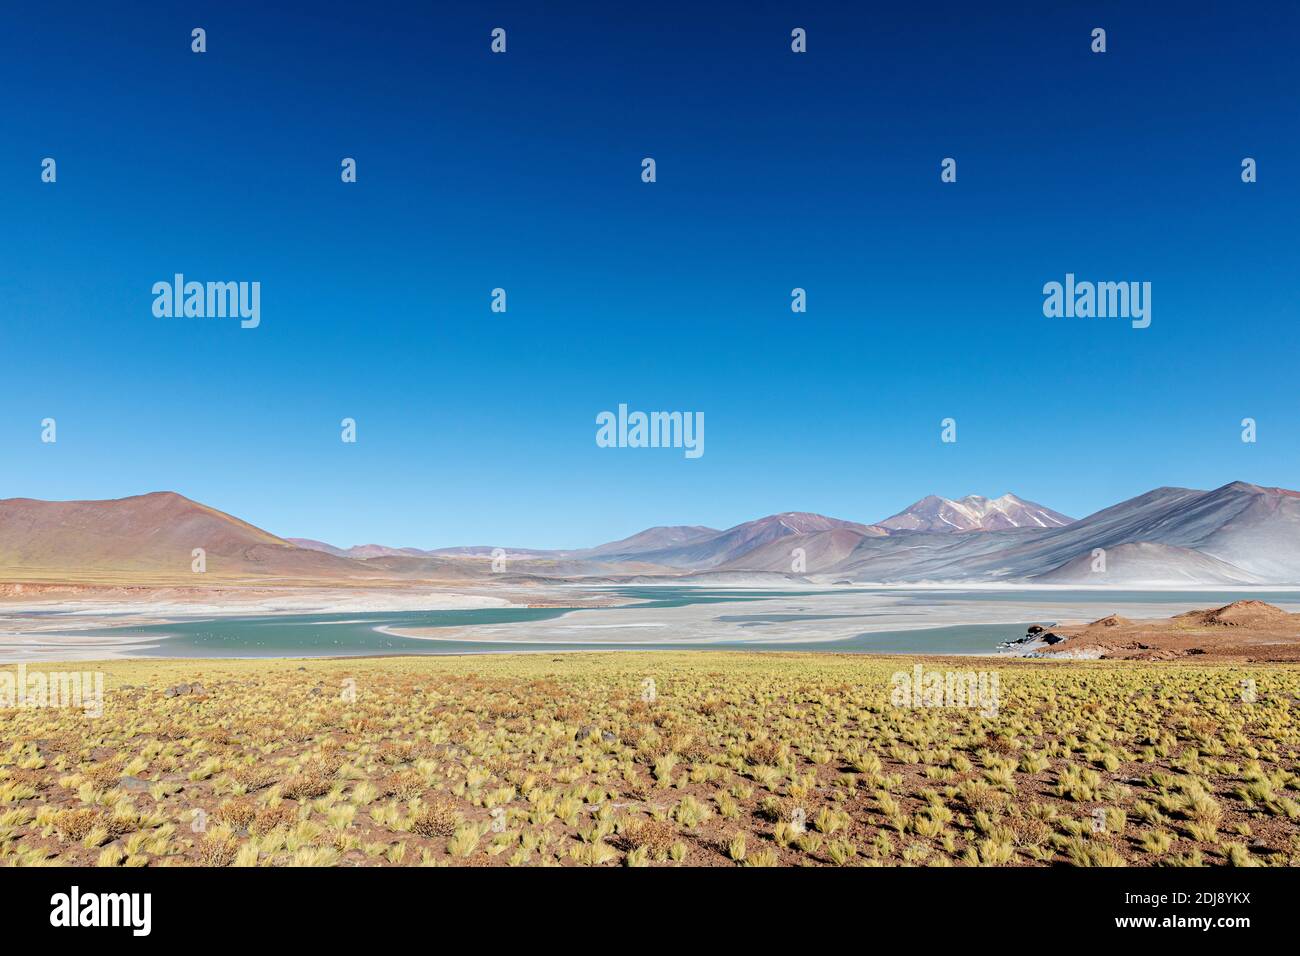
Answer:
(821, 551)
(728, 548)
(652, 539)
(148, 539)
(311, 544)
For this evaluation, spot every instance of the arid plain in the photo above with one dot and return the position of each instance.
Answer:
(663, 758)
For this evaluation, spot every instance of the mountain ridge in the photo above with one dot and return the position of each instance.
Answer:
(1237, 534)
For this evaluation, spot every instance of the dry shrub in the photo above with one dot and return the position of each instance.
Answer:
(777, 809)
(306, 786)
(238, 813)
(396, 752)
(75, 824)
(253, 776)
(37, 779)
(652, 746)
(327, 764)
(1030, 831)
(508, 709)
(120, 824)
(696, 749)
(218, 850)
(269, 818)
(981, 796)
(657, 836)
(219, 736)
(438, 817)
(766, 752)
(637, 786)
(103, 776)
(403, 785)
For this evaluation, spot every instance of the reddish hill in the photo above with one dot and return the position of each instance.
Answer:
(1238, 614)
(728, 548)
(147, 539)
(1243, 630)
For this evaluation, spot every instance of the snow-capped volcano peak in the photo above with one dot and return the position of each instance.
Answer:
(974, 513)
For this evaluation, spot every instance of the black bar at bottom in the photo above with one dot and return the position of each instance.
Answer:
(330, 906)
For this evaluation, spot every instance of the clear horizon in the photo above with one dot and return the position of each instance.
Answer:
(661, 524)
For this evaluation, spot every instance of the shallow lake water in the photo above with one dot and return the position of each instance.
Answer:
(357, 634)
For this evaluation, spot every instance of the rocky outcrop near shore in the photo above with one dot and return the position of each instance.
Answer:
(1241, 631)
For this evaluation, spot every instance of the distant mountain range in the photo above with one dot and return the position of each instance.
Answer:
(698, 546)
(1237, 534)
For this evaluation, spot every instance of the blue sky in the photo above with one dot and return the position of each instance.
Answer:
(522, 171)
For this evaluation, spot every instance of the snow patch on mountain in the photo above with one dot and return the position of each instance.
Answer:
(974, 513)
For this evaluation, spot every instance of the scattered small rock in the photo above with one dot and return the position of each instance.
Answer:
(1033, 634)
(1111, 620)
